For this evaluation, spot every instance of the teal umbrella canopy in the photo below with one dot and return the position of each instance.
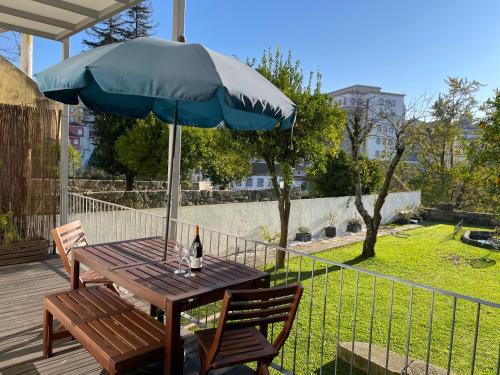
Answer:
(202, 87)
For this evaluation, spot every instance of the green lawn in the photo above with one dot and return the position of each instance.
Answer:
(429, 256)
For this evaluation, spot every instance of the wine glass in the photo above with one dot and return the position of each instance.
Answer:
(178, 251)
(187, 253)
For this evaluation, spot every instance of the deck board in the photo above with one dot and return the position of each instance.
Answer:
(22, 288)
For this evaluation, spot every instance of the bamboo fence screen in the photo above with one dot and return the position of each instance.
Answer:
(29, 167)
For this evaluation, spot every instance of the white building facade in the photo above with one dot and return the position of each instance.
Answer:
(378, 143)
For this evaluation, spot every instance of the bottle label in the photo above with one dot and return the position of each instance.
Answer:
(196, 262)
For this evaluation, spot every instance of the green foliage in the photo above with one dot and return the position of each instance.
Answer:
(268, 236)
(139, 21)
(440, 144)
(303, 229)
(144, 150)
(75, 160)
(218, 156)
(456, 164)
(317, 131)
(8, 232)
(107, 129)
(337, 179)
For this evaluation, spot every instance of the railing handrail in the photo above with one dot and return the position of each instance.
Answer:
(316, 258)
(358, 269)
(116, 205)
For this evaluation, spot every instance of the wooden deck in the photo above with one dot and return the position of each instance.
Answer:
(22, 288)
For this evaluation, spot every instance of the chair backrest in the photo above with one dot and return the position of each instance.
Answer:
(66, 237)
(259, 307)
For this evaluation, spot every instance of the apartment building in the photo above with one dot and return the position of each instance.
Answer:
(81, 135)
(378, 142)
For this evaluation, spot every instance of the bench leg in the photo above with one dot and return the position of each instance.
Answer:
(48, 327)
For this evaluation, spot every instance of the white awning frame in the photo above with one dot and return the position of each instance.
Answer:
(57, 19)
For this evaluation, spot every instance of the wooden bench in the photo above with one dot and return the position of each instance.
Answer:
(119, 336)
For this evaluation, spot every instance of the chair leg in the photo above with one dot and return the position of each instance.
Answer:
(262, 369)
(203, 364)
(48, 327)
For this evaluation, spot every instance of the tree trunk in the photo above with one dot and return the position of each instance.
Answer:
(370, 240)
(129, 181)
(284, 208)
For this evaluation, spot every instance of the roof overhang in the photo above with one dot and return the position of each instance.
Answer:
(57, 19)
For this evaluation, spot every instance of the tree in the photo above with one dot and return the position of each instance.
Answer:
(316, 134)
(75, 160)
(337, 180)
(109, 31)
(220, 158)
(107, 129)
(441, 144)
(10, 45)
(143, 149)
(135, 22)
(139, 21)
(361, 119)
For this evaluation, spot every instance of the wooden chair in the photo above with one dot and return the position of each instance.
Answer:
(71, 235)
(236, 339)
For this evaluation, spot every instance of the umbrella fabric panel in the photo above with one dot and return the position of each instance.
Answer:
(147, 74)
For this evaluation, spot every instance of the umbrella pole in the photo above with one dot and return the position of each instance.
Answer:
(169, 188)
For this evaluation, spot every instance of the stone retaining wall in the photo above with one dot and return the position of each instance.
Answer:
(472, 218)
(156, 198)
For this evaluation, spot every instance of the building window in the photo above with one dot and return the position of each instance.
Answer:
(260, 182)
(76, 141)
(345, 101)
(238, 183)
(377, 154)
(71, 118)
(80, 131)
(269, 183)
(379, 140)
(249, 182)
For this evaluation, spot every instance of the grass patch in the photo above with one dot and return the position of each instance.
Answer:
(429, 256)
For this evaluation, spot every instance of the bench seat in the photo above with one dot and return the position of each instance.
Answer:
(118, 335)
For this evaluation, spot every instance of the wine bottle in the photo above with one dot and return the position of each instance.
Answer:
(197, 253)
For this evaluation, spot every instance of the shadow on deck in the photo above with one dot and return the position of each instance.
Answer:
(22, 288)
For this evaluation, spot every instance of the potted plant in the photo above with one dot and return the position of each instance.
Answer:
(409, 215)
(303, 235)
(14, 249)
(354, 225)
(331, 230)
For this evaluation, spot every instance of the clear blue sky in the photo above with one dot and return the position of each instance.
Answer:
(406, 46)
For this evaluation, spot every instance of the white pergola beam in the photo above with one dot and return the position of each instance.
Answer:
(36, 17)
(26, 30)
(71, 7)
(103, 15)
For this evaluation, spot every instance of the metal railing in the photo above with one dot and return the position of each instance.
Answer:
(342, 305)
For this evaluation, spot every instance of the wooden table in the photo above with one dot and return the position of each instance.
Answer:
(136, 266)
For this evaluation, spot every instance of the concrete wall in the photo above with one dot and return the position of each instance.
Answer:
(246, 219)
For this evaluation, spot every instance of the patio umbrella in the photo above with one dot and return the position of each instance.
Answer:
(185, 84)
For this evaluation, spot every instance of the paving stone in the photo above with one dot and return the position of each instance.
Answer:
(378, 357)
